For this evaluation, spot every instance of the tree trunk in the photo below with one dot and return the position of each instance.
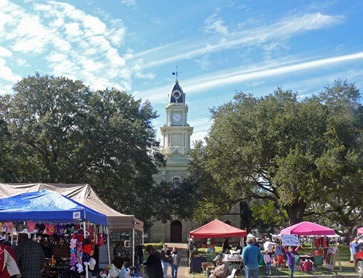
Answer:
(295, 212)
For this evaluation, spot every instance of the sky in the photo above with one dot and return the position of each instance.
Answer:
(219, 47)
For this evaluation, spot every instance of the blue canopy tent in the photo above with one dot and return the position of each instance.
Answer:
(49, 206)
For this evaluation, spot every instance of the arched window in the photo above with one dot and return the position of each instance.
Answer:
(176, 182)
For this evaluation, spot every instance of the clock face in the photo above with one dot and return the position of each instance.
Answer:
(177, 117)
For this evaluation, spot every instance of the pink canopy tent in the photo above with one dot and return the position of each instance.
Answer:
(307, 228)
(360, 231)
(217, 229)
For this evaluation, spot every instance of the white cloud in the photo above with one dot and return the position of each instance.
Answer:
(237, 76)
(72, 29)
(213, 24)
(129, 2)
(4, 52)
(281, 30)
(72, 43)
(6, 72)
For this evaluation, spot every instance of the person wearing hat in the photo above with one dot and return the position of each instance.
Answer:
(220, 271)
(251, 257)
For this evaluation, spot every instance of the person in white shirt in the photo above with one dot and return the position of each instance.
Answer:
(269, 246)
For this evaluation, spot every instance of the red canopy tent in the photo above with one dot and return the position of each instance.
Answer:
(216, 229)
(307, 228)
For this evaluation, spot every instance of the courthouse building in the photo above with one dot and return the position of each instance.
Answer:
(176, 143)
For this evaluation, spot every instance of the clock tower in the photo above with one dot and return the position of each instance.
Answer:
(175, 145)
(176, 132)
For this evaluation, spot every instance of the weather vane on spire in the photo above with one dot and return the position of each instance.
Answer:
(176, 73)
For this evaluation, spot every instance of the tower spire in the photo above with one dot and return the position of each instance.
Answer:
(176, 73)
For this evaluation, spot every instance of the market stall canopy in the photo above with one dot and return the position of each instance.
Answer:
(360, 231)
(307, 228)
(216, 229)
(49, 206)
(83, 194)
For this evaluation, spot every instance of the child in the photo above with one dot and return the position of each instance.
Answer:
(267, 259)
(290, 255)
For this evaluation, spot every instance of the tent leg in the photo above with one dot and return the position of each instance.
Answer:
(133, 247)
(85, 235)
(108, 246)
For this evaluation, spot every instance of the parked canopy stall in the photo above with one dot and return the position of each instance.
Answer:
(119, 225)
(306, 228)
(49, 207)
(217, 229)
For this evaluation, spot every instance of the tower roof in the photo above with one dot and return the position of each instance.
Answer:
(177, 95)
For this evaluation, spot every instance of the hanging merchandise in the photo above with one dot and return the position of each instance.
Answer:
(60, 229)
(9, 227)
(30, 225)
(100, 239)
(73, 253)
(79, 256)
(87, 250)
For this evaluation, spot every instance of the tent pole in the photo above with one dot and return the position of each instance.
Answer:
(108, 246)
(84, 236)
(133, 246)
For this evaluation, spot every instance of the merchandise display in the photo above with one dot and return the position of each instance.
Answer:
(67, 247)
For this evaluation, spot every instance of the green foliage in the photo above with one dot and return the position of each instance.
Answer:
(174, 202)
(63, 132)
(296, 156)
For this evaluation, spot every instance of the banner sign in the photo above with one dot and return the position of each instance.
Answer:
(290, 240)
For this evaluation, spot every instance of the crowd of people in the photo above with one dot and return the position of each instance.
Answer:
(253, 254)
(157, 263)
(26, 259)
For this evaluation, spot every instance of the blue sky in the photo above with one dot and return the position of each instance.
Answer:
(220, 47)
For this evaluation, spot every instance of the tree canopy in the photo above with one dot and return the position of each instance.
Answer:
(57, 130)
(297, 154)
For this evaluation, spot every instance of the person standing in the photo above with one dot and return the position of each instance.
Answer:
(175, 262)
(267, 259)
(153, 263)
(251, 257)
(226, 247)
(356, 247)
(269, 246)
(165, 259)
(8, 264)
(290, 256)
(220, 271)
(30, 256)
(190, 250)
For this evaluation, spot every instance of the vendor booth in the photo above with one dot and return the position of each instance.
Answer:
(322, 252)
(217, 229)
(58, 224)
(125, 231)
